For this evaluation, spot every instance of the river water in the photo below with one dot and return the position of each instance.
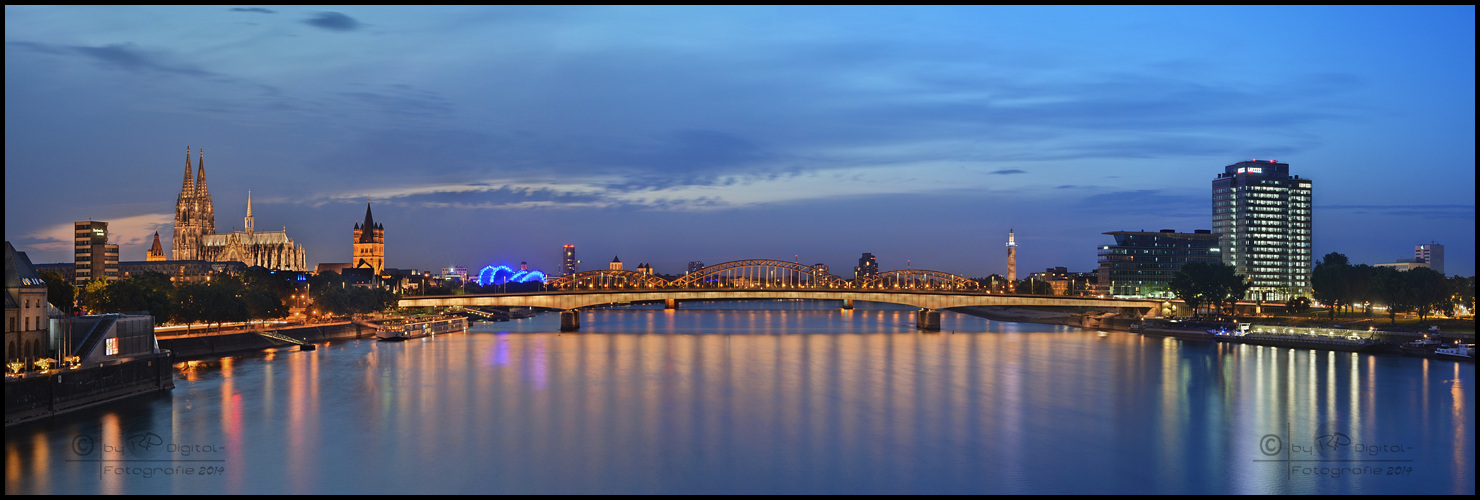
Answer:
(773, 397)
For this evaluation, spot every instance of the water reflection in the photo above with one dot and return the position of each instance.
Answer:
(792, 399)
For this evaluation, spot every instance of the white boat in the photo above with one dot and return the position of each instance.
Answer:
(422, 327)
(1464, 352)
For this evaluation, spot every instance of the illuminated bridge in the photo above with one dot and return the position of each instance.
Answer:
(930, 291)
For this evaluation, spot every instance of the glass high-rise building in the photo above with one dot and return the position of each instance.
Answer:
(1262, 216)
(1141, 263)
(568, 260)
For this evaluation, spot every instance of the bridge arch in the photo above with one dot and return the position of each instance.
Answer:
(759, 273)
(606, 279)
(919, 279)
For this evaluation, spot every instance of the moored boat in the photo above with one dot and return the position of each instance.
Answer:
(1457, 352)
(423, 326)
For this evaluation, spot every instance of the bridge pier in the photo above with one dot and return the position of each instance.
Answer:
(927, 320)
(570, 320)
(848, 304)
(670, 303)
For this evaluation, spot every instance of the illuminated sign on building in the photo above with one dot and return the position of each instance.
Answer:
(1251, 170)
(111, 346)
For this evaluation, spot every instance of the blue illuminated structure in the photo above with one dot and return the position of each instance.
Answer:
(499, 275)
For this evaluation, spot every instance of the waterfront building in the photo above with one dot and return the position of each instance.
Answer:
(615, 265)
(1432, 253)
(1141, 263)
(568, 260)
(455, 273)
(25, 308)
(867, 267)
(1262, 216)
(93, 257)
(369, 244)
(107, 337)
(819, 273)
(1011, 257)
(695, 266)
(270, 249)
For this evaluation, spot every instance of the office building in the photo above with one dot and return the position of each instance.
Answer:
(1432, 253)
(695, 266)
(1141, 263)
(867, 267)
(568, 260)
(1262, 217)
(93, 258)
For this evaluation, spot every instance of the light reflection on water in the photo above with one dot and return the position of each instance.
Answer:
(792, 397)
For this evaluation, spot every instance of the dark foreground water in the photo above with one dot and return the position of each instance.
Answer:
(774, 397)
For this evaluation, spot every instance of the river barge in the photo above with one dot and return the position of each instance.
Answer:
(421, 326)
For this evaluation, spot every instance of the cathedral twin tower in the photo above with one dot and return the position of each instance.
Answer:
(196, 238)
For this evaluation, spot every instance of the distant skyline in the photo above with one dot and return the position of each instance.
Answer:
(494, 135)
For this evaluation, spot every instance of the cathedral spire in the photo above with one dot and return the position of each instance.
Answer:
(250, 220)
(205, 210)
(368, 228)
(200, 176)
(188, 187)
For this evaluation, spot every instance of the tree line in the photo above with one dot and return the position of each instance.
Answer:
(1339, 285)
(255, 294)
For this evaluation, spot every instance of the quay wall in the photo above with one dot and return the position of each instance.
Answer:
(39, 396)
(205, 346)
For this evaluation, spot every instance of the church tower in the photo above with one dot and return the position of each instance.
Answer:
(156, 253)
(205, 211)
(369, 244)
(185, 242)
(250, 220)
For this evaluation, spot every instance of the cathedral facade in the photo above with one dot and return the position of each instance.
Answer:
(196, 238)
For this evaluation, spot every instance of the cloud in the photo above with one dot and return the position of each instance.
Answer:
(1007, 171)
(129, 233)
(1413, 211)
(254, 9)
(334, 21)
(122, 56)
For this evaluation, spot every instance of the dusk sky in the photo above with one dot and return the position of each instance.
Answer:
(493, 135)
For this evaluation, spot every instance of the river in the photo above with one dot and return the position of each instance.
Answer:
(773, 397)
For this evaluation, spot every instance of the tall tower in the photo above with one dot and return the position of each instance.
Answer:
(250, 220)
(568, 260)
(1262, 216)
(185, 242)
(1011, 257)
(369, 244)
(156, 252)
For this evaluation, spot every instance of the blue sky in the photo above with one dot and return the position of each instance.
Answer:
(485, 135)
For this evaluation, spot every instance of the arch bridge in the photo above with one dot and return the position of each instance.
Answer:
(758, 279)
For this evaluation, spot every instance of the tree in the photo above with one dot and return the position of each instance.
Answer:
(1430, 291)
(1391, 286)
(1212, 282)
(1328, 281)
(59, 292)
(94, 296)
(1462, 292)
(1034, 287)
(1297, 305)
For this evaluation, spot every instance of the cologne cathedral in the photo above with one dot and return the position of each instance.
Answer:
(196, 238)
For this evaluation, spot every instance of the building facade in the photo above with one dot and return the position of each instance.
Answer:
(369, 244)
(1432, 253)
(1141, 263)
(270, 249)
(93, 258)
(1262, 217)
(26, 317)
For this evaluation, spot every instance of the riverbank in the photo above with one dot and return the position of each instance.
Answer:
(36, 396)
